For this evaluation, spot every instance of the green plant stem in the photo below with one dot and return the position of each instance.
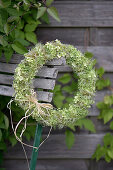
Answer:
(36, 144)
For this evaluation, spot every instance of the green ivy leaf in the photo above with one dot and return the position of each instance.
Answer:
(0, 52)
(58, 100)
(45, 18)
(110, 153)
(66, 78)
(72, 127)
(70, 138)
(100, 71)
(100, 84)
(67, 89)
(22, 41)
(100, 152)
(19, 48)
(108, 114)
(57, 88)
(19, 34)
(12, 18)
(8, 52)
(54, 13)
(6, 120)
(21, 24)
(69, 99)
(0, 134)
(5, 3)
(14, 12)
(107, 139)
(31, 36)
(6, 28)
(30, 27)
(3, 41)
(49, 2)
(102, 105)
(88, 54)
(111, 125)
(87, 123)
(107, 158)
(108, 99)
(41, 12)
(12, 140)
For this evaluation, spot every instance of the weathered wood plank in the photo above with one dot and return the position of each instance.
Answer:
(55, 148)
(43, 72)
(101, 36)
(41, 95)
(47, 164)
(104, 56)
(38, 82)
(84, 14)
(75, 36)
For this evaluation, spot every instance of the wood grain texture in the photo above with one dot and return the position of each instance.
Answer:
(55, 148)
(41, 95)
(75, 36)
(57, 164)
(37, 82)
(101, 36)
(104, 56)
(47, 165)
(43, 72)
(84, 14)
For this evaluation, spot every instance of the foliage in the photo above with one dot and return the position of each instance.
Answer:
(106, 114)
(18, 22)
(6, 135)
(67, 85)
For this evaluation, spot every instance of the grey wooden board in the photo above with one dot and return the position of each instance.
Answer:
(41, 95)
(16, 58)
(47, 165)
(101, 36)
(43, 72)
(55, 148)
(38, 82)
(84, 14)
(47, 96)
(75, 164)
(75, 36)
(104, 56)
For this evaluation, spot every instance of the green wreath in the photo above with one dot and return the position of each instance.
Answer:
(25, 95)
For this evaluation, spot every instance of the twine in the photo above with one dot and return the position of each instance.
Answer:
(40, 112)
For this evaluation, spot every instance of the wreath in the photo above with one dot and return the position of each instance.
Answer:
(45, 113)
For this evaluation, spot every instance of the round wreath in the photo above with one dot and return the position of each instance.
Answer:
(25, 95)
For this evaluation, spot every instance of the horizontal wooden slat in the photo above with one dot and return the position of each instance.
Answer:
(43, 72)
(41, 95)
(47, 165)
(55, 147)
(104, 56)
(38, 82)
(75, 36)
(101, 36)
(64, 164)
(84, 14)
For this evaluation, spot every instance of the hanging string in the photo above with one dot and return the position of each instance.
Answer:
(24, 128)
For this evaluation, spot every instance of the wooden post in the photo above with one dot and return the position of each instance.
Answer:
(34, 155)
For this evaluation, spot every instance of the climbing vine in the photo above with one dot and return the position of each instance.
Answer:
(18, 22)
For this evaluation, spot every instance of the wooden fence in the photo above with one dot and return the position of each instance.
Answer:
(87, 25)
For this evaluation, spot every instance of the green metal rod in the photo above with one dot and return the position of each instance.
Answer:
(34, 155)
